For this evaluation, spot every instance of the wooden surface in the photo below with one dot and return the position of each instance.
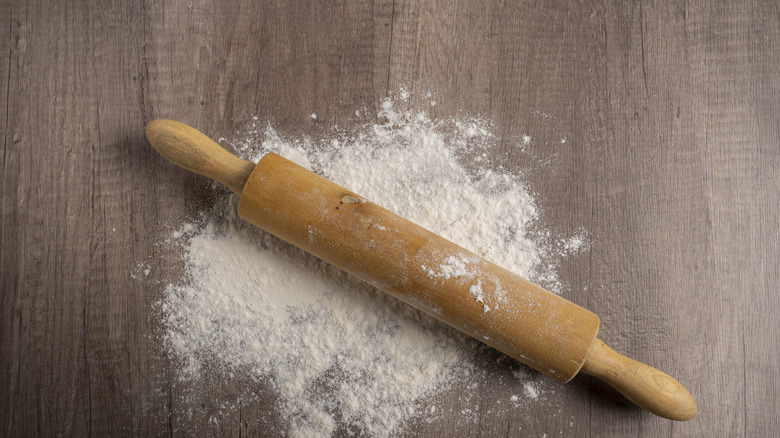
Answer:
(670, 111)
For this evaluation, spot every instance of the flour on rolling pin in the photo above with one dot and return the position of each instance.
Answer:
(339, 354)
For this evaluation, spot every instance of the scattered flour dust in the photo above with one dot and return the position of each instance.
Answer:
(340, 356)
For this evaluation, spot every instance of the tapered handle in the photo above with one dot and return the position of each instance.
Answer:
(193, 150)
(644, 385)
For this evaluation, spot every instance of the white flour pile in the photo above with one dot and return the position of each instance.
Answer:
(341, 356)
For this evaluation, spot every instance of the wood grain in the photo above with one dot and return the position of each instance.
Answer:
(670, 112)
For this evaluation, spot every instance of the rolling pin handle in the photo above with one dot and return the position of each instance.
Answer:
(649, 388)
(193, 150)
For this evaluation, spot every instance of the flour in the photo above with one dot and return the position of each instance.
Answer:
(453, 266)
(476, 290)
(340, 356)
(530, 390)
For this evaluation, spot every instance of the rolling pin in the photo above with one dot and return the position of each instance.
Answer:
(442, 279)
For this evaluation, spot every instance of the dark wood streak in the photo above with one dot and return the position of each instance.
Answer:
(670, 111)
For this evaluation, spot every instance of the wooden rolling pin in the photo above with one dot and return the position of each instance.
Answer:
(530, 324)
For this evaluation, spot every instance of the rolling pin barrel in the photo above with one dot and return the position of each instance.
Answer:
(530, 324)
(517, 317)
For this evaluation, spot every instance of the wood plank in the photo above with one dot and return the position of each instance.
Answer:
(670, 115)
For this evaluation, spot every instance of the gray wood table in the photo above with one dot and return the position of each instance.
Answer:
(671, 110)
